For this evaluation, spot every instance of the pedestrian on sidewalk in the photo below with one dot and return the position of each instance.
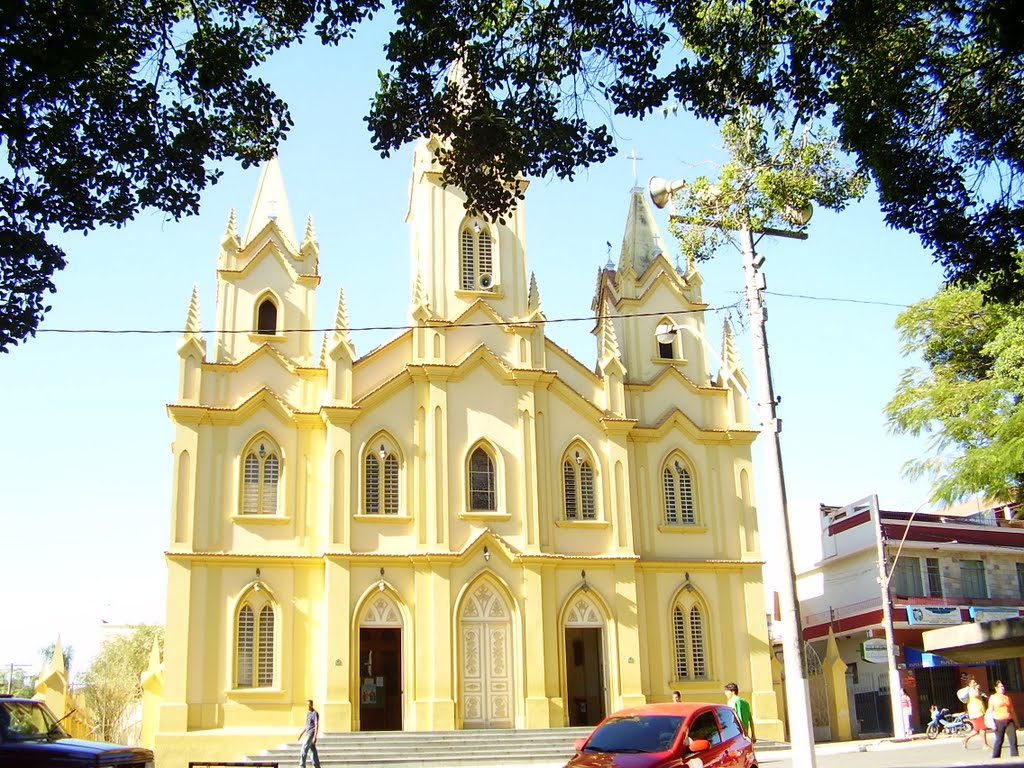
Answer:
(908, 711)
(308, 735)
(976, 713)
(742, 707)
(1001, 707)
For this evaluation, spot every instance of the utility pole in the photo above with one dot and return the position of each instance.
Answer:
(798, 700)
(801, 726)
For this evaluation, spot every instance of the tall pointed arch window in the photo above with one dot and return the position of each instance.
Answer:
(483, 493)
(381, 481)
(261, 477)
(476, 256)
(678, 492)
(266, 316)
(578, 486)
(255, 642)
(689, 640)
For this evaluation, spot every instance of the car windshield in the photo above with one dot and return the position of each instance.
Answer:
(27, 721)
(642, 733)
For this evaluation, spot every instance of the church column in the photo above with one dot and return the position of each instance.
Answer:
(341, 657)
(435, 657)
(616, 460)
(632, 659)
(174, 708)
(542, 645)
(529, 470)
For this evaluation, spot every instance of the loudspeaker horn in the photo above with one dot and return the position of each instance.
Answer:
(661, 189)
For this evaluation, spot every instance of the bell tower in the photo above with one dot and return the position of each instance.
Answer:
(267, 279)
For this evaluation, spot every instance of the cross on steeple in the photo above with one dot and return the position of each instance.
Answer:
(634, 157)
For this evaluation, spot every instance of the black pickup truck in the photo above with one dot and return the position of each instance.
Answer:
(31, 737)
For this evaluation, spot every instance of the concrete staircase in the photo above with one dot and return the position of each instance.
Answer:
(435, 749)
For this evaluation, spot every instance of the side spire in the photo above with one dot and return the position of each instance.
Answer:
(270, 204)
(192, 322)
(730, 355)
(609, 339)
(533, 300)
(341, 328)
(310, 248)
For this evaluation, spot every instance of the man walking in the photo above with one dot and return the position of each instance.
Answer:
(308, 735)
(742, 707)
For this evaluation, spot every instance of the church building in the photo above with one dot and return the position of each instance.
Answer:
(466, 527)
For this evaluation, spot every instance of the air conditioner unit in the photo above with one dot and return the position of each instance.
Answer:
(486, 281)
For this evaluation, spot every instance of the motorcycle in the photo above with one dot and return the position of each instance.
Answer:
(954, 724)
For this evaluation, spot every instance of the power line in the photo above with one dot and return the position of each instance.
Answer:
(482, 324)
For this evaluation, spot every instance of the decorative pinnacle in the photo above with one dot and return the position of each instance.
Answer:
(533, 302)
(192, 321)
(609, 340)
(341, 329)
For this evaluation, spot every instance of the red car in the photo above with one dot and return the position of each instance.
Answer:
(664, 735)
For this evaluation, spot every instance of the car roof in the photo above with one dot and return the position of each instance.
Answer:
(680, 709)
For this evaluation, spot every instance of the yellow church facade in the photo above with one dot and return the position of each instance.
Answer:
(466, 527)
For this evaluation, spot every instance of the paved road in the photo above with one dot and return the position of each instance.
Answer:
(918, 753)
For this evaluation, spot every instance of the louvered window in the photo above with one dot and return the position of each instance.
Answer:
(679, 644)
(391, 485)
(689, 642)
(476, 257)
(251, 485)
(671, 500)
(382, 483)
(587, 491)
(254, 643)
(569, 477)
(680, 507)
(246, 632)
(697, 643)
(261, 476)
(468, 261)
(482, 492)
(372, 485)
(265, 668)
(578, 482)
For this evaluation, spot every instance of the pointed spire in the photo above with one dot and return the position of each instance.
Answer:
(230, 244)
(642, 242)
(341, 329)
(609, 339)
(730, 355)
(419, 293)
(323, 351)
(192, 321)
(270, 204)
(533, 301)
(310, 248)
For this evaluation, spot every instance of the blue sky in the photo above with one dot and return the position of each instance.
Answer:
(86, 459)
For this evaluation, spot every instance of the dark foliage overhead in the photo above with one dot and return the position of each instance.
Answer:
(145, 100)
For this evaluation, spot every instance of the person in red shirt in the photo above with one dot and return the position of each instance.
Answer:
(1001, 707)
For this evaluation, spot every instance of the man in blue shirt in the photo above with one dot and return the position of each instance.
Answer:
(308, 735)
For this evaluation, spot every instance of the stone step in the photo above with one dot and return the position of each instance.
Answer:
(435, 749)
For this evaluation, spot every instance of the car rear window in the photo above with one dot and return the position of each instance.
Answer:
(645, 733)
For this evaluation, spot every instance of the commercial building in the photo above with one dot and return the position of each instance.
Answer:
(935, 570)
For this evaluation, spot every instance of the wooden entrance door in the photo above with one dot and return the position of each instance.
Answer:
(380, 679)
(486, 653)
(583, 675)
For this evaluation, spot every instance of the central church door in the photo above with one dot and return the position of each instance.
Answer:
(486, 653)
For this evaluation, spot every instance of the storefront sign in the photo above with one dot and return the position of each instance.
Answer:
(930, 614)
(874, 650)
(991, 614)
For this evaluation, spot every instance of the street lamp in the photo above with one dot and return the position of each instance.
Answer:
(801, 727)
